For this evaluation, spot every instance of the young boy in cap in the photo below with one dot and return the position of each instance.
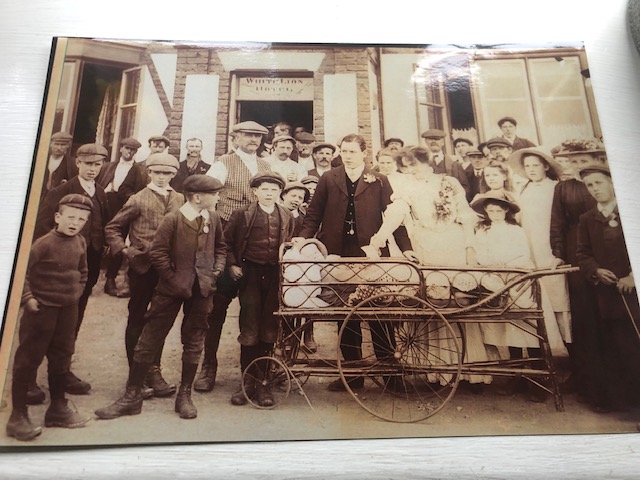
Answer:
(603, 259)
(254, 235)
(89, 161)
(188, 252)
(55, 280)
(293, 196)
(140, 218)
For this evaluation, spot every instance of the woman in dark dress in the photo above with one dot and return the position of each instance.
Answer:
(571, 199)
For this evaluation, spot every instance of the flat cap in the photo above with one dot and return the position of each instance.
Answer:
(498, 142)
(507, 119)
(92, 152)
(283, 138)
(309, 179)
(320, 146)
(160, 138)
(61, 137)
(500, 196)
(474, 153)
(393, 139)
(131, 143)
(300, 186)
(270, 177)
(305, 137)
(202, 184)
(164, 162)
(76, 200)
(434, 133)
(462, 139)
(250, 127)
(595, 167)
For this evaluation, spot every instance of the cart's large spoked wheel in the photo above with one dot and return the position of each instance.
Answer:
(294, 355)
(411, 357)
(266, 373)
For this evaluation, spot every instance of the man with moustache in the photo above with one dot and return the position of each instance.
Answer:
(281, 162)
(192, 165)
(346, 211)
(322, 156)
(235, 171)
(499, 148)
(442, 163)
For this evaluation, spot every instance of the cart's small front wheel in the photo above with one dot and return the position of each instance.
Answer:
(266, 377)
(409, 357)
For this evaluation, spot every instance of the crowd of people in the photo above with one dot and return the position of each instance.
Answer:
(195, 235)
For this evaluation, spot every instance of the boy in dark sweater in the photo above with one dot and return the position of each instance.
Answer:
(188, 252)
(254, 235)
(56, 277)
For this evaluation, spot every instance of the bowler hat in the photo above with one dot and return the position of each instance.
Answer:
(269, 177)
(300, 186)
(498, 142)
(160, 138)
(500, 196)
(320, 146)
(92, 152)
(507, 119)
(595, 167)
(305, 137)
(389, 140)
(131, 143)
(61, 137)
(76, 200)
(434, 133)
(516, 160)
(202, 184)
(250, 127)
(163, 162)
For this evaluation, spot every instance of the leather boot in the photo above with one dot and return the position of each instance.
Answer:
(184, 405)
(60, 415)
(74, 385)
(264, 397)
(110, 287)
(309, 341)
(19, 425)
(160, 387)
(129, 404)
(35, 395)
(207, 378)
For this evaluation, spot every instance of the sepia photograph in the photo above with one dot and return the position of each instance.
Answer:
(274, 241)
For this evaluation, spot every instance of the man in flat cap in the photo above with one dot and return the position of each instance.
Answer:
(614, 359)
(120, 180)
(235, 171)
(442, 163)
(139, 219)
(192, 165)
(60, 166)
(89, 160)
(500, 149)
(475, 172)
(305, 142)
(189, 253)
(281, 161)
(509, 125)
(460, 146)
(158, 144)
(322, 156)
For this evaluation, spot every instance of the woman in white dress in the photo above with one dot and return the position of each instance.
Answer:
(535, 199)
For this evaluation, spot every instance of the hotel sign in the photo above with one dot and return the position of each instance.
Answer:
(280, 89)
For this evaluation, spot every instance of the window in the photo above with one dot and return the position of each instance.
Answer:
(128, 107)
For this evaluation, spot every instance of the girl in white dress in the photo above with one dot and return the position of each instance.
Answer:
(535, 200)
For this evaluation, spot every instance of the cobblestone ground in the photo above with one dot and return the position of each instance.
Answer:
(100, 359)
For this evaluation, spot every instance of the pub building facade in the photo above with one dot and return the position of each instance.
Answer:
(110, 90)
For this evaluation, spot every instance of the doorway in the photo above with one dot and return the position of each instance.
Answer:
(268, 113)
